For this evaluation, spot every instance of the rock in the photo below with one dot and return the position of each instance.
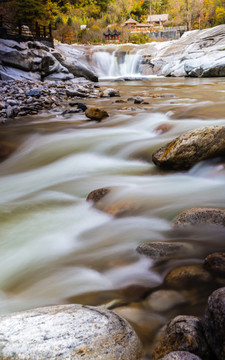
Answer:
(67, 332)
(33, 92)
(187, 276)
(95, 113)
(75, 93)
(198, 216)
(215, 263)
(214, 321)
(160, 250)
(110, 93)
(180, 355)
(163, 128)
(191, 147)
(122, 208)
(164, 300)
(79, 105)
(97, 195)
(6, 149)
(183, 333)
(10, 112)
(138, 100)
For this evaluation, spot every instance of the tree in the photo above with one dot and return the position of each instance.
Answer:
(28, 11)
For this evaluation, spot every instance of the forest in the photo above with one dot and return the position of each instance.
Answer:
(68, 16)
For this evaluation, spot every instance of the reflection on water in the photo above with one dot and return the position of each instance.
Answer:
(58, 248)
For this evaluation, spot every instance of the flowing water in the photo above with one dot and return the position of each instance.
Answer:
(58, 248)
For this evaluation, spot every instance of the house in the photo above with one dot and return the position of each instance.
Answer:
(112, 36)
(158, 19)
(134, 27)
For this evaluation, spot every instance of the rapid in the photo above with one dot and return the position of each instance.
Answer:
(58, 248)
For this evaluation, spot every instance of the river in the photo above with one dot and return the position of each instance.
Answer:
(58, 248)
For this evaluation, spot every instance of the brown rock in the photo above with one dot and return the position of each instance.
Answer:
(162, 250)
(183, 333)
(180, 355)
(163, 128)
(215, 263)
(191, 147)
(187, 275)
(95, 113)
(122, 208)
(196, 216)
(97, 195)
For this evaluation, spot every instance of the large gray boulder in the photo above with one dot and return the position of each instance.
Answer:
(183, 333)
(214, 323)
(180, 355)
(67, 332)
(191, 147)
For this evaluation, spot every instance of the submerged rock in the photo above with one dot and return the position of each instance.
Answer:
(110, 93)
(215, 263)
(97, 195)
(183, 333)
(164, 300)
(95, 113)
(191, 147)
(214, 321)
(68, 332)
(197, 216)
(187, 275)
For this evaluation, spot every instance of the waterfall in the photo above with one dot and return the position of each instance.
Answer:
(116, 63)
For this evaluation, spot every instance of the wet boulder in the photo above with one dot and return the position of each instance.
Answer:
(183, 333)
(180, 355)
(164, 250)
(68, 332)
(98, 194)
(110, 93)
(214, 323)
(200, 216)
(191, 147)
(95, 113)
(215, 263)
(188, 276)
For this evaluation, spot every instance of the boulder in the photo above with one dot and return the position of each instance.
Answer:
(164, 250)
(183, 333)
(200, 216)
(188, 276)
(215, 263)
(95, 113)
(180, 355)
(67, 332)
(75, 93)
(214, 321)
(191, 147)
(110, 93)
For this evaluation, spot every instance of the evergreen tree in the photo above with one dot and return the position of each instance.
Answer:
(28, 11)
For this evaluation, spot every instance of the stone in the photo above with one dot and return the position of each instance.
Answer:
(160, 250)
(75, 93)
(68, 332)
(214, 320)
(200, 216)
(163, 128)
(164, 300)
(33, 92)
(138, 100)
(180, 355)
(188, 276)
(97, 195)
(122, 208)
(110, 93)
(183, 333)
(191, 147)
(10, 112)
(215, 263)
(95, 113)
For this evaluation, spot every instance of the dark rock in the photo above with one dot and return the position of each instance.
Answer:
(68, 332)
(138, 100)
(188, 276)
(79, 105)
(197, 216)
(97, 195)
(164, 250)
(215, 263)
(183, 333)
(95, 113)
(214, 321)
(34, 92)
(180, 355)
(191, 147)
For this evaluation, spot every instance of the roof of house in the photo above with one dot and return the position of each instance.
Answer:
(144, 25)
(158, 18)
(130, 21)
